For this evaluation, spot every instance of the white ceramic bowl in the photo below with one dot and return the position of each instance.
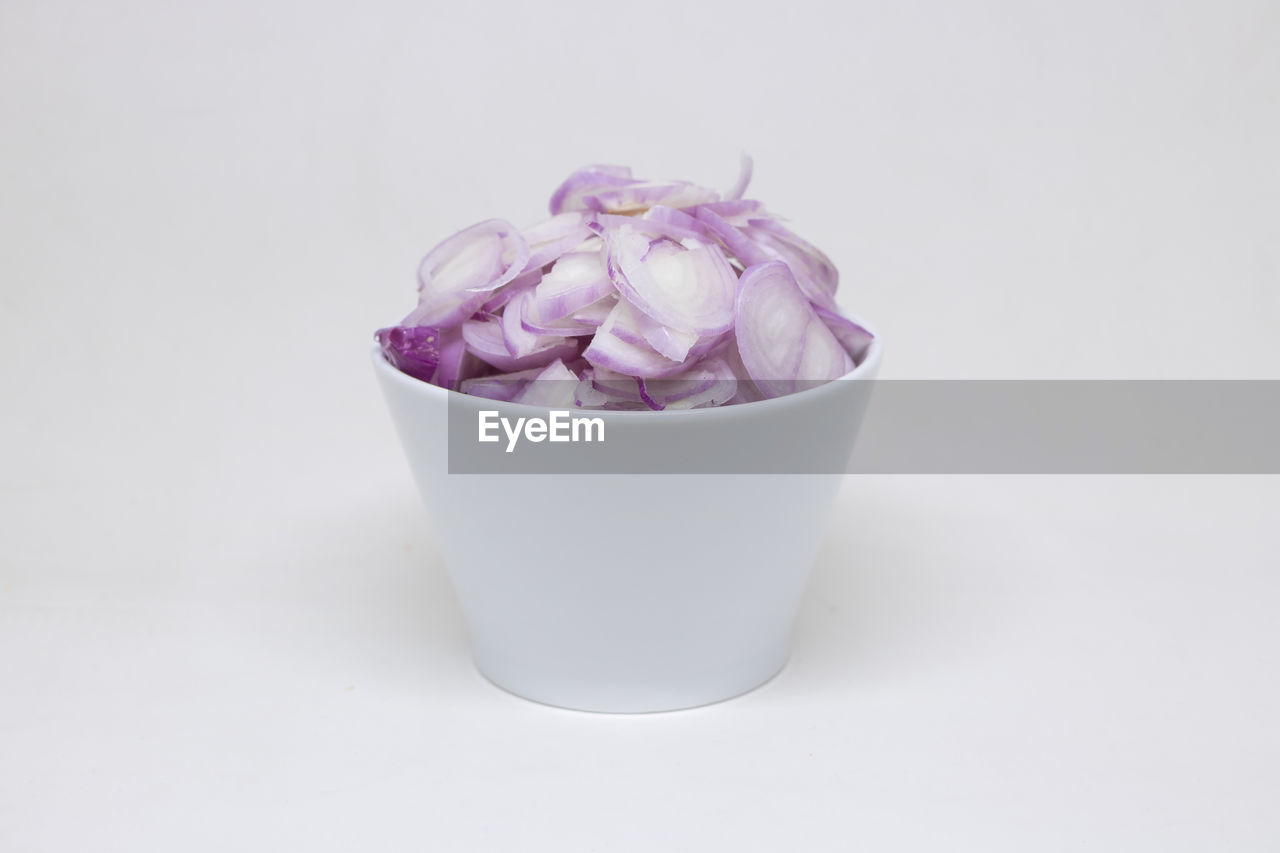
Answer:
(629, 592)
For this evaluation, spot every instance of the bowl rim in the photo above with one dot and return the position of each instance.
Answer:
(863, 371)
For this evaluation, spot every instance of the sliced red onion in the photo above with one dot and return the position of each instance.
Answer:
(636, 197)
(654, 228)
(601, 388)
(708, 383)
(455, 277)
(554, 387)
(618, 346)
(610, 169)
(814, 271)
(744, 179)
(855, 339)
(525, 281)
(733, 239)
(577, 280)
(551, 238)
(520, 342)
(679, 225)
(630, 295)
(569, 195)
(484, 335)
(648, 400)
(619, 386)
(524, 309)
(639, 329)
(748, 392)
(586, 395)
(414, 350)
(672, 343)
(578, 364)
(734, 211)
(453, 359)
(634, 327)
(688, 286)
(627, 323)
(597, 312)
(783, 342)
(501, 386)
(709, 346)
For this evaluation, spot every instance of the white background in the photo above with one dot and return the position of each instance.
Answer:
(223, 621)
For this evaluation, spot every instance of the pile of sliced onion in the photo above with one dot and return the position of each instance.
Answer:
(634, 295)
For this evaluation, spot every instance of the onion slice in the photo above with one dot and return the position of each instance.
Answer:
(654, 228)
(633, 294)
(677, 224)
(783, 342)
(577, 280)
(592, 179)
(618, 390)
(524, 309)
(813, 270)
(734, 211)
(855, 339)
(501, 386)
(597, 312)
(710, 382)
(688, 285)
(619, 345)
(454, 359)
(729, 236)
(555, 387)
(456, 277)
(553, 237)
(744, 179)
(637, 197)
(485, 336)
(672, 343)
(525, 281)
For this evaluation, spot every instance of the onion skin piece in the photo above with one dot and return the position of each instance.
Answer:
(783, 342)
(414, 350)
